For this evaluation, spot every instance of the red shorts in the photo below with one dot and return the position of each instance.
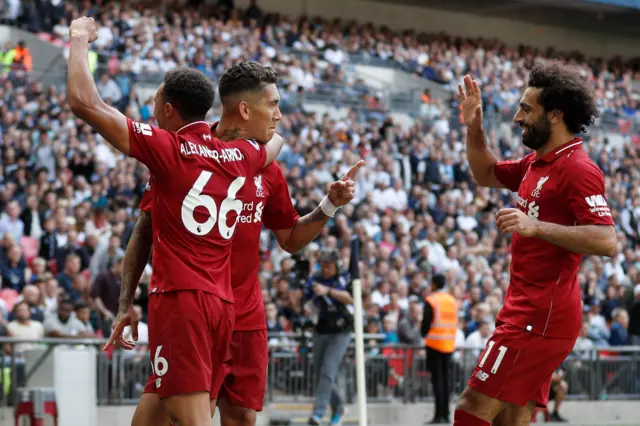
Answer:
(516, 365)
(246, 374)
(189, 334)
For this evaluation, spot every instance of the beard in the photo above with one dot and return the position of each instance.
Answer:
(538, 134)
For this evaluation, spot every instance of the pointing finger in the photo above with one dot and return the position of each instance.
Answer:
(353, 171)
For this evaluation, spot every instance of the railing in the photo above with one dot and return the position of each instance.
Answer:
(393, 373)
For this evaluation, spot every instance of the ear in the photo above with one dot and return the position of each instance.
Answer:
(244, 110)
(168, 109)
(556, 116)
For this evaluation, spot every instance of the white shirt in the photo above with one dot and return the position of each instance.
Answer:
(380, 299)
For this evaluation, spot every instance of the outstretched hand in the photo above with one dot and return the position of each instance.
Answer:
(471, 103)
(343, 191)
(123, 319)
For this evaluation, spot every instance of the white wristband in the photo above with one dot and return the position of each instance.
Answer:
(327, 207)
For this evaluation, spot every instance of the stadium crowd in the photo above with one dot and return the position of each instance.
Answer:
(69, 202)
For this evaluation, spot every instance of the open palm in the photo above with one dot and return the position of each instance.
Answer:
(471, 105)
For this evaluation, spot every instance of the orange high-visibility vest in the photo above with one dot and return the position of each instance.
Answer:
(442, 334)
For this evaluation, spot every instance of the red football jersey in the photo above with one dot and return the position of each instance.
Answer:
(147, 198)
(196, 207)
(566, 188)
(267, 201)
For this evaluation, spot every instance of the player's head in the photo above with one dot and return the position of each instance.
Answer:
(248, 91)
(557, 99)
(185, 96)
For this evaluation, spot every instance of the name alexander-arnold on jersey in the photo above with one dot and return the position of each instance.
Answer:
(223, 155)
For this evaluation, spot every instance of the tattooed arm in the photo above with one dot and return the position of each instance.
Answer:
(135, 259)
(303, 232)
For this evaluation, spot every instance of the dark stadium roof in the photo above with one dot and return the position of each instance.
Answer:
(576, 14)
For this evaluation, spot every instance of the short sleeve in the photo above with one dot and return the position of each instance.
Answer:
(153, 147)
(254, 154)
(146, 200)
(586, 195)
(511, 172)
(279, 212)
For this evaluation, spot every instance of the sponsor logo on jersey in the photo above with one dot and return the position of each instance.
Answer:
(251, 213)
(598, 205)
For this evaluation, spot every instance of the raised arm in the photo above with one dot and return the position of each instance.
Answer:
(82, 92)
(307, 228)
(481, 160)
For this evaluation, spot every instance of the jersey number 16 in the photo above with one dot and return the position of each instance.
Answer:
(195, 198)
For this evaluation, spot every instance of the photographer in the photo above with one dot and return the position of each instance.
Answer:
(330, 294)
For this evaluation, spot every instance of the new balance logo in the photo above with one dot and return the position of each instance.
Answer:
(596, 201)
(143, 128)
(482, 376)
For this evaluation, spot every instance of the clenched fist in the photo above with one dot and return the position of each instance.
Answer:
(84, 27)
(514, 220)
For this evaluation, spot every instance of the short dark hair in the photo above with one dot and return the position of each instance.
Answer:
(439, 281)
(245, 76)
(565, 90)
(190, 92)
(80, 305)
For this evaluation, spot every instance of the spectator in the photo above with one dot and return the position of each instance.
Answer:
(83, 313)
(389, 327)
(24, 327)
(71, 270)
(15, 273)
(557, 393)
(106, 293)
(409, 328)
(273, 322)
(619, 329)
(10, 221)
(105, 255)
(584, 345)
(32, 218)
(51, 293)
(477, 341)
(32, 297)
(64, 322)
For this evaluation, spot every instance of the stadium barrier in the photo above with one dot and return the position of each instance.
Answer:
(394, 373)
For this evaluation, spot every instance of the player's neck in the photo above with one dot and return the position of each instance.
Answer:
(229, 129)
(557, 140)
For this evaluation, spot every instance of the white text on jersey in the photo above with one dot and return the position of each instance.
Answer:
(224, 155)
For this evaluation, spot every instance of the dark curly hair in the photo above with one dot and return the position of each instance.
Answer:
(190, 92)
(564, 90)
(245, 76)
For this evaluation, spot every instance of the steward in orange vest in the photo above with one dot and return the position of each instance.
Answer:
(439, 328)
